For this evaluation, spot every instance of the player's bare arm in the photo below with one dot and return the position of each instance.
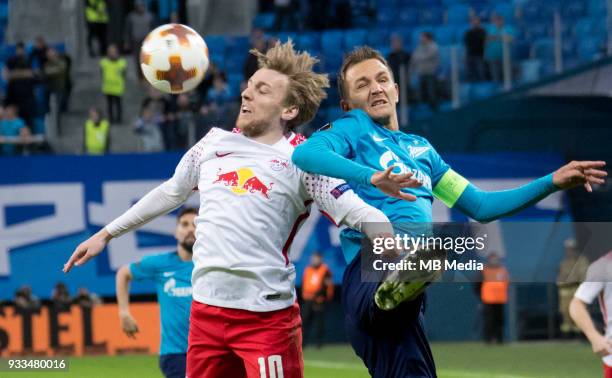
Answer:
(582, 318)
(128, 323)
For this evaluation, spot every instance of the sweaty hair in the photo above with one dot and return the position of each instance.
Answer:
(306, 88)
(186, 210)
(357, 56)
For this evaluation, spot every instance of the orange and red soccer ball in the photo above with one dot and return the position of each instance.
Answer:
(174, 58)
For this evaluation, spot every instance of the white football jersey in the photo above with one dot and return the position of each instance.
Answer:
(252, 203)
(598, 284)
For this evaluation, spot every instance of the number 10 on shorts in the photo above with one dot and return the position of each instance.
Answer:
(275, 366)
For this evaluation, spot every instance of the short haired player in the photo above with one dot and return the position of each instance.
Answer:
(171, 273)
(385, 321)
(244, 318)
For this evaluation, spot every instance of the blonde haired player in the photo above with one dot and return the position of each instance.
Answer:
(598, 285)
(244, 318)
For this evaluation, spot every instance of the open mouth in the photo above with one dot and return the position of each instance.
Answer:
(380, 101)
(245, 110)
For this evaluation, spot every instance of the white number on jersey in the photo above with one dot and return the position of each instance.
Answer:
(275, 365)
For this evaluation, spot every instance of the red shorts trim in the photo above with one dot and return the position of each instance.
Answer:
(607, 371)
(226, 342)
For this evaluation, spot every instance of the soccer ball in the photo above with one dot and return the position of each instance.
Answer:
(174, 58)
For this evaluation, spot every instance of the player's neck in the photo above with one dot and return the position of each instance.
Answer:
(270, 137)
(393, 124)
(183, 254)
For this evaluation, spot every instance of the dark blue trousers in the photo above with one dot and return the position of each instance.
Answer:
(173, 365)
(392, 344)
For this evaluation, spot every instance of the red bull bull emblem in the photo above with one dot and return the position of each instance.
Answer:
(279, 164)
(243, 181)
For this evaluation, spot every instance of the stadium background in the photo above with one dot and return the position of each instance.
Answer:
(552, 105)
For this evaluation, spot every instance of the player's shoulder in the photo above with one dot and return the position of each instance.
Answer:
(160, 260)
(350, 123)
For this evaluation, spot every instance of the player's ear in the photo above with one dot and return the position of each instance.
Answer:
(396, 92)
(290, 113)
(345, 106)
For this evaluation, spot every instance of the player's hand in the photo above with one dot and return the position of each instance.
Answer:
(392, 184)
(128, 325)
(88, 249)
(580, 173)
(601, 345)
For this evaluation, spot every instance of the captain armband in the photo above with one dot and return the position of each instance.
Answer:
(450, 187)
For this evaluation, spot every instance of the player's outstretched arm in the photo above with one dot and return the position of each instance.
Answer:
(161, 200)
(484, 206)
(122, 281)
(88, 249)
(317, 155)
(580, 315)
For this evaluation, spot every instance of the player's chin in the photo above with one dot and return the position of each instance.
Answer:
(380, 114)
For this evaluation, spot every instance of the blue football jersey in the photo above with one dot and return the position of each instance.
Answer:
(357, 137)
(172, 277)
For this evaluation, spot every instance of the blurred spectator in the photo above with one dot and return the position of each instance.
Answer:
(285, 18)
(26, 305)
(158, 102)
(60, 298)
(474, 40)
(86, 301)
(60, 302)
(13, 130)
(96, 18)
(219, 95)
(259, 43)
(494, 296)
(148, 127)
(21, 83)
(68, 84)
(113, 69)
(397, 58)
(97, 133)
(207, 82)
(425, 62)
(494, 50)
(38, 55)
(182, 125)
(165, 11)
(139, 23)
(572, 272)
(317, 289)
(204, 121)
(55, 71)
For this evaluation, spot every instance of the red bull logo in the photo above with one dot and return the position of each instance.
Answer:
(243, 181)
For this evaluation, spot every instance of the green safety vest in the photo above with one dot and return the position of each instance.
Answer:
(113, 81)
(95, 11)
(96, 137)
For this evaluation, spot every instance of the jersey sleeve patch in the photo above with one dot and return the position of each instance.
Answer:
(450, 187)
(340, 190)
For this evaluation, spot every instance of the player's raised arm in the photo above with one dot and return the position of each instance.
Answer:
(161, 200)
(327, 153)
(456, 191)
